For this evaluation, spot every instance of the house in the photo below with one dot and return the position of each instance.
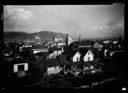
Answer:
(60, 44)
(97, 45)
(41, 55)
(74, 56)
(52, 66)
(54, 51)
(27, 45)
(20, 65)
(86, 54)
(17, 64)
(64, 63)
(39, 48)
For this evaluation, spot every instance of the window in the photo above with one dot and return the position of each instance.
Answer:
(88, 53)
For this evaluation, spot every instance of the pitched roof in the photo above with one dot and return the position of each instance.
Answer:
(17, 60)
(72, 53)
(83, 51)
(52, 63)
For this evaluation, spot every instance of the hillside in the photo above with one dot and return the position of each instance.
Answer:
(22, 36)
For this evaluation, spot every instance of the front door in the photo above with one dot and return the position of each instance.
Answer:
(88, 58)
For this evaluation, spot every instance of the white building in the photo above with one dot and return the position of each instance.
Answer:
(20, 66)
(53, 66)
(53, 70)
(75, 56)
(39, 48)
(89, 56)
(54, 52)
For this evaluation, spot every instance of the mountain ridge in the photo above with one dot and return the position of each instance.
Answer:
(22, 36)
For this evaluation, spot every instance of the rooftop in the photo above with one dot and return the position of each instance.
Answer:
(52, 62)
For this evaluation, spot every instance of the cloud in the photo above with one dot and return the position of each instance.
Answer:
(17, 19)
(111, 29)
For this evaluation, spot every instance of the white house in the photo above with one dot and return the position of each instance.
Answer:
(89, 56)
(74, 56)
(86, 54)
(20, 66)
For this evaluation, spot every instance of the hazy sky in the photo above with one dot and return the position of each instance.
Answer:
(86, 20)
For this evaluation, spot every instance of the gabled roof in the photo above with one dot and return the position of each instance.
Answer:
(52, 63)
(17, 60)
(83, 51)
(27, 44)
(72, 53)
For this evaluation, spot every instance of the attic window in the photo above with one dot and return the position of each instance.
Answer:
(88, 53)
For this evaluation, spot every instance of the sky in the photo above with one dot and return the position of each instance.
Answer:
(88, 21)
